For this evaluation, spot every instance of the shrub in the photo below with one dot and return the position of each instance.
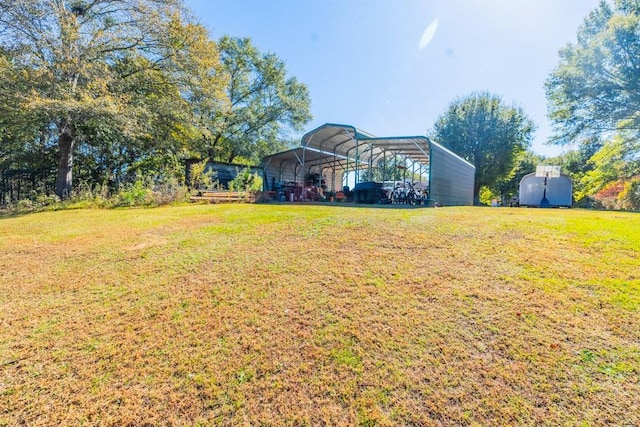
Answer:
(630, 196)
(608, 196)
(35, 202)
(620, 195)
(165, 193)
(246, 181)
(85, 196)
(141, 192)
(487, 196)
(203, 178)
(137, 193)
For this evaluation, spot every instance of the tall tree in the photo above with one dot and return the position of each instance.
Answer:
(487, 133)
(595, 88)
(509, 185)
(577, 163)
(70, 55)
(264, 104)
(594, 95)
(24, 146)
(617, 161)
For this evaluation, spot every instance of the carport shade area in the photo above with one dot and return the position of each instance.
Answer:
(332, 152)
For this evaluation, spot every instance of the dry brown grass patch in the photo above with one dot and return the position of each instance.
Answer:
(312, 315)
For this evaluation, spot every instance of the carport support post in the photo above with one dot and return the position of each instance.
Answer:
(413, 171)
(333, 178)
(345, 176)
(304, 150)
(404, 172)
(384, 165)
(333, 174)
(355, 179)
(395, 168)
(371, 164)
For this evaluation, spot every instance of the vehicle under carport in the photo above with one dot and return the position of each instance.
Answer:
(333, 154)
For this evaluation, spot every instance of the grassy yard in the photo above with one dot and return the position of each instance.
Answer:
(320, 315)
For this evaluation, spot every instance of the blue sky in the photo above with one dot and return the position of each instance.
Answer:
(365, 62)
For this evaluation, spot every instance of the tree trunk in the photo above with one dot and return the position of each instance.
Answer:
(476, 183)
(65, 163)
(476, 194)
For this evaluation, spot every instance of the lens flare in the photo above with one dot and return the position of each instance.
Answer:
(428, 34)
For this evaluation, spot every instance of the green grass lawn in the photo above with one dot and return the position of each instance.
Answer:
(320, 315)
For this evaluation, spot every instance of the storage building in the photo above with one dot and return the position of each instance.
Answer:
(558, 191)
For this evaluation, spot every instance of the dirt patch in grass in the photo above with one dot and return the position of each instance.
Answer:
(311, 315)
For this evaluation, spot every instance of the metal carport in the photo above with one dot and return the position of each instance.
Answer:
(335, 150)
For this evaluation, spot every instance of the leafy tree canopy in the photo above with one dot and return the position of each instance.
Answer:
(104, 89)
(115, 84)
(594, 99)
(508, 186)
(487, 133)
(264, 106)
(595, 88)
(618, 159)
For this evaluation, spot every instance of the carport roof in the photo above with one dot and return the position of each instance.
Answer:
(349, 141)
(309, 156)
(340, 146)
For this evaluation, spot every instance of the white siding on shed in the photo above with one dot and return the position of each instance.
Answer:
(559, 190)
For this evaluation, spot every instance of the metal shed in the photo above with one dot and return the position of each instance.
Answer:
(559, 190)
(332, 152)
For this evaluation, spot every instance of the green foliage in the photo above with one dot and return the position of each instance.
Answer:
(617, 161)
(264, 105)
(135, 194)
(486, 132)
(246, 181)
(169, 192)
(593, 89)
(87, 196)
(143, 192)
(111, 80)
(203, 177)
(105, 91)
(509, 185)
(487, 196)
(37, 202)
(593, 93)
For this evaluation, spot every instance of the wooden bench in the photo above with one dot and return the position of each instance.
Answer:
(222, 196)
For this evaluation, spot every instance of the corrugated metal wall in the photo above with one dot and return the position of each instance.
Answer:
(451, 178)
(276, 175)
